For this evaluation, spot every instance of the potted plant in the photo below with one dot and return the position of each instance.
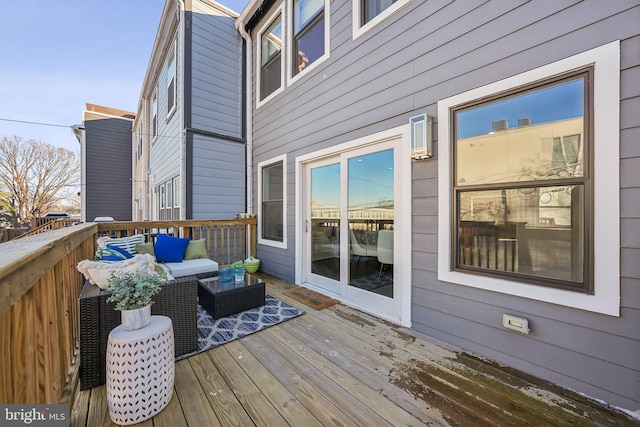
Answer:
(132, 293)
(251, 264)
(238, 269)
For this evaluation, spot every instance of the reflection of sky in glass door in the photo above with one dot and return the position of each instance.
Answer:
(371, 211)
(371, 179)
(325, 221)
(325, 185)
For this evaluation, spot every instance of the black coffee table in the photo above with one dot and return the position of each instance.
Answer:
(223, 298)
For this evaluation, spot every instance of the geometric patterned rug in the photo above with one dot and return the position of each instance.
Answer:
(212, 332)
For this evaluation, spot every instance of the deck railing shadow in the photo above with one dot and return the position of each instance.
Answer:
(39, 290)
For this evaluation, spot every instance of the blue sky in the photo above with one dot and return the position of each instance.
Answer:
(559, 102)
(59, 55)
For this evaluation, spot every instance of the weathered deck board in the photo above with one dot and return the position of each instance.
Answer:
(340, 366)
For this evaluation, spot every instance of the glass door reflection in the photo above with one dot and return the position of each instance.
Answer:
(371, 221)
(325, 221)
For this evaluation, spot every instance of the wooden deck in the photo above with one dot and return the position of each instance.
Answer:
(339, 366)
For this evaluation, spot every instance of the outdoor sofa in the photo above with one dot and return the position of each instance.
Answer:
(177, 300)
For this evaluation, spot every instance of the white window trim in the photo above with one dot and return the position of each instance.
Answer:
(606, 98)
(403, 224)
(267, 24)
(177, 197)
(175, 80)
(357, 12)
(162, 197)
(291, 79)
(261, 166)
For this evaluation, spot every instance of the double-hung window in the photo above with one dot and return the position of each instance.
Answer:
(176, 197)
(139, 146)
(272, 200)
(529, 184)
(171, 81)
(372, 8)
(369, 13)
(522, 184)
(308, 41)
(271, 65)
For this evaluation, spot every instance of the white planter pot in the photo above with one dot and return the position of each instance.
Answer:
(137, 318)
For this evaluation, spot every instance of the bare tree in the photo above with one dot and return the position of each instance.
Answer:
(34, 177)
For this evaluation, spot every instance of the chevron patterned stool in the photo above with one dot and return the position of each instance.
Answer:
(140, 371)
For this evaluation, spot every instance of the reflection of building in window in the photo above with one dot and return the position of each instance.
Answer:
(271, 58)
(520, 186)
(308, 33)
(546, 150)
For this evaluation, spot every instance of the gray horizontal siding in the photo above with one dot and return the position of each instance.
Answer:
(108, 167)
(216, 73)
(218, 182)
(432, 50)
(164, 154)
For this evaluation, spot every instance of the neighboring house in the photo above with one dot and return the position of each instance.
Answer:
(529, 206)
(188, 143)
(105, 153)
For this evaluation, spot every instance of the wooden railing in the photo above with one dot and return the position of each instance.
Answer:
(39, 290)
(43, 226)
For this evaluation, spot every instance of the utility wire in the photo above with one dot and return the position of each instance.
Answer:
(94, 131)
(35, 123)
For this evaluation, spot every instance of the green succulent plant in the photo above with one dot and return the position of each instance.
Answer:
(236, 266)
(132, 290)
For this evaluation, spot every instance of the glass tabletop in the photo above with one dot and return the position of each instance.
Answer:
(214, 285)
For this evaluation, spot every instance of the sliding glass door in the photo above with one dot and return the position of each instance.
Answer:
(349, 225)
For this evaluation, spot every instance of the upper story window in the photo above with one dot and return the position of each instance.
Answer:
(529, 192)
(369, 13)
(171, 81)
(372, 8)
(301, 42)
(270, 56)
(154, 115)
(139, 147)
(308, 33)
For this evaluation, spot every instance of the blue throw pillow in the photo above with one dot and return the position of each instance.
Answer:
(121, 251)
(169, 248)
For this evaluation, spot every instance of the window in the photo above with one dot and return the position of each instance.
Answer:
(154, 115)
(308, 34)
(171, 81)
(139, 146)
(162, 197)
(270, 57)
(272, 201)
(521, 186)
(523, 197)
(176, 192)
(372, 8)
(169, 206)
(369, 13)
(169, 186)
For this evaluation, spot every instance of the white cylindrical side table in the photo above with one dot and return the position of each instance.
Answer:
(140, 371)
